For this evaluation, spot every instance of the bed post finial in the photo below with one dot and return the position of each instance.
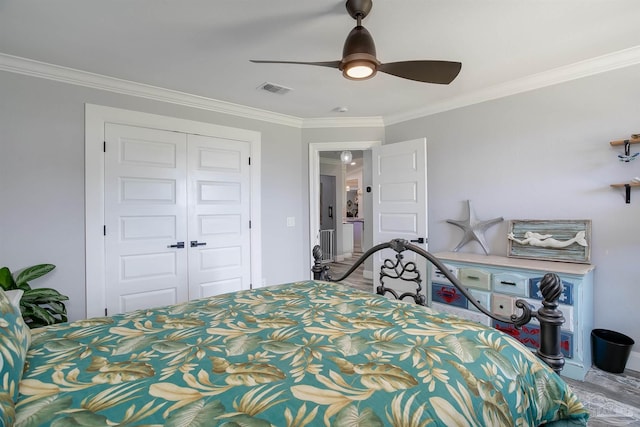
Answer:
(319, 270)
(551, 320)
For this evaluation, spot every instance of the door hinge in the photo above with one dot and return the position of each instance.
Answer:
(249, 223)
(104, 146)
(104, 230)
(105, 312)
(249, 161)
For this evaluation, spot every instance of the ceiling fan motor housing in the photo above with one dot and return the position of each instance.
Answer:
(359, 49)
(359, 8)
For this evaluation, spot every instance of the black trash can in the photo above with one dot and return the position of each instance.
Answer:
(610, 350)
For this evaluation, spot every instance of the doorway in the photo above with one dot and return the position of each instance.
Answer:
(399, 183)
(316, 150)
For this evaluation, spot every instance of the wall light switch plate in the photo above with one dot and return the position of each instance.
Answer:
(291, 221)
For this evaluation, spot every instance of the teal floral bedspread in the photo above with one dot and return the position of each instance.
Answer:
(301, 354)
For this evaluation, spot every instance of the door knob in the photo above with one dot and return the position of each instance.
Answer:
(419, 240)
(195, 243)
(178, 245)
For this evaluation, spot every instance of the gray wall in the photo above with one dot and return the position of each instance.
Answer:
(538, 155)
(544, 154)
(42, 182)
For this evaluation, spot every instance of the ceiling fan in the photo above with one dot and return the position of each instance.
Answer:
(359, 60)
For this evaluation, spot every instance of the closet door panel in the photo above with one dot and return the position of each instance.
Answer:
(219, 213)
(145, 214)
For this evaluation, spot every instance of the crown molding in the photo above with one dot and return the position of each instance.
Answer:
(29, 67)
(601, 64)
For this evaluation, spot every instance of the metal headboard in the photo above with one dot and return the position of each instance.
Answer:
(549, 316)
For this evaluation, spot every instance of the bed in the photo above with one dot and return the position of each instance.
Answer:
(308, 353)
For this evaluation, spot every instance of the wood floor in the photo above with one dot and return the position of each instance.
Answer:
(612, 399)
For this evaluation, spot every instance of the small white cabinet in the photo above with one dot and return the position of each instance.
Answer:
(347, 239)
(497, 282)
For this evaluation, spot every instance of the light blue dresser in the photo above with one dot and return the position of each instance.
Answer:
(497, 282)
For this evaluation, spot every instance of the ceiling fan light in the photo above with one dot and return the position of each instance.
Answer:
(359, 70)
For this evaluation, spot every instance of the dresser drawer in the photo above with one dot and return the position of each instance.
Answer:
(446, 294)
(567, 313)
(511, 283)
(481, 297)
(503, 305)
(529, 335)
(439, 276)
(475, 278)
(565, 298)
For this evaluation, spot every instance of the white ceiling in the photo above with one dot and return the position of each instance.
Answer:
(203, 47)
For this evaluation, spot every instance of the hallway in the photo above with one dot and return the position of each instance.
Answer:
(356, 279)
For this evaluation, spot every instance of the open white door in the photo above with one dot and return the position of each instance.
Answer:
(400, 204)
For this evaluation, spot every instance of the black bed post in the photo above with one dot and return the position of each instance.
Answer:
(319, 270)
(551, 320)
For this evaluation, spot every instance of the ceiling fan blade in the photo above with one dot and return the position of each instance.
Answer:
(440, 72)
(330, 64)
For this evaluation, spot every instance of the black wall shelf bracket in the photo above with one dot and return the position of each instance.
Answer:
(627, 193)
(627, 189)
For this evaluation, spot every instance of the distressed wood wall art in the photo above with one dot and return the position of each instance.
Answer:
(550, 240)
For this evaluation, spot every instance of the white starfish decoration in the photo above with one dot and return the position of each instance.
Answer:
(473, 229)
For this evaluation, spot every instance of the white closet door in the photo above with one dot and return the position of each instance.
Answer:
(219, 213)
(145, 214)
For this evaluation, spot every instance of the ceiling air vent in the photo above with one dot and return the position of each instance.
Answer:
(274, 88)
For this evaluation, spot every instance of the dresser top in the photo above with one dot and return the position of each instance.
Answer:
(529, 264)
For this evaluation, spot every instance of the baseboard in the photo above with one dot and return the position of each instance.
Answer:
(633, 363)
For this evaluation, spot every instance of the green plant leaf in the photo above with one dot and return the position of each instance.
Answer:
(40, 306)
(6, 279)
(43, 296)
(57, 308)
(37, 316)
(31, 273)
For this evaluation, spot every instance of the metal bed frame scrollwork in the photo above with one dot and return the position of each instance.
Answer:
(549, 316)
